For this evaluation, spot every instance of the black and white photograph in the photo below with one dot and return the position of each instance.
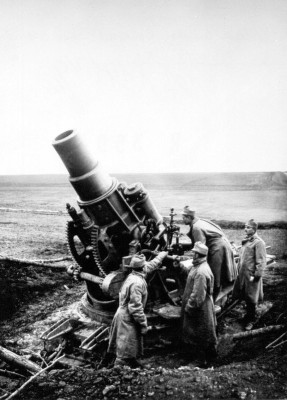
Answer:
(143, 199)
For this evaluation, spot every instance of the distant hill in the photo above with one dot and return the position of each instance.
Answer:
(250, 180)
(215, 181)
(181, 181)
(34, 180)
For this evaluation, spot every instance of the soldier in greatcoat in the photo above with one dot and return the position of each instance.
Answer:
(198, 315)
(220, 254)
(130, 322)
(249, 283)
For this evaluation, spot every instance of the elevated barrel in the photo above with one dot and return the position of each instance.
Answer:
(97, 190)
(87, 177)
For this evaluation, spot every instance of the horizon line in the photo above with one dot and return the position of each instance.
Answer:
(153, 173)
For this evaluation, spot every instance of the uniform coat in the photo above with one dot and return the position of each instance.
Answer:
(125, 339)
(252, 263)
(198, 316)
(220, 255)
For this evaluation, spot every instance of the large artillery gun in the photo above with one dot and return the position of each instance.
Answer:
(113, 222)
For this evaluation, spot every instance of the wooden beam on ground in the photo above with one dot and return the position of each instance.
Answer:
(18, 361)
(257, 332)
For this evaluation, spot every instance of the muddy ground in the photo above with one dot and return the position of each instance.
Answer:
(34, 297)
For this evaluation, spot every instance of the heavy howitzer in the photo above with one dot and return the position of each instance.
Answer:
(114, 221)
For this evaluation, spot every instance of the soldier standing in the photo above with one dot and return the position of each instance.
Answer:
(220, 255)
(249, 283)
(198, 315)
(130, 322)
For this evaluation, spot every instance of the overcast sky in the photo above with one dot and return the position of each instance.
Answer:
(152, 86)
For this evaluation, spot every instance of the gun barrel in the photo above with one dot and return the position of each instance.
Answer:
(87, 177)
(97, 190)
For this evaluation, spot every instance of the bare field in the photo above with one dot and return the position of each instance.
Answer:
(28, 235)
(44, 234)
(234, 205)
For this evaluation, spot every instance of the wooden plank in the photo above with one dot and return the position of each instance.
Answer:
(16, 360)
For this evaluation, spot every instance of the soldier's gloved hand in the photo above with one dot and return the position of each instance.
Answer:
(163, 253)
(144, 330)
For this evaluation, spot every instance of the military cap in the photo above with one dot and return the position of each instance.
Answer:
(253, 224)
(137, 262)
(188, 211)
(200, 248)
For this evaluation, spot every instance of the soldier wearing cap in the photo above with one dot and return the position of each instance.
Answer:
(249, 285)
(130, 322)
(220, 255)
(198, 316)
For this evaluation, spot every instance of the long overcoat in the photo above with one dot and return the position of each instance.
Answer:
(125, 340)
(251, 264)
(220, 255)
(198, 316)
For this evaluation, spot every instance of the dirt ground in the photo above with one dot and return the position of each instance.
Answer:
(35, 297)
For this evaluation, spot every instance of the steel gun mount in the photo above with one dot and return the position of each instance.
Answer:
(114, 221)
